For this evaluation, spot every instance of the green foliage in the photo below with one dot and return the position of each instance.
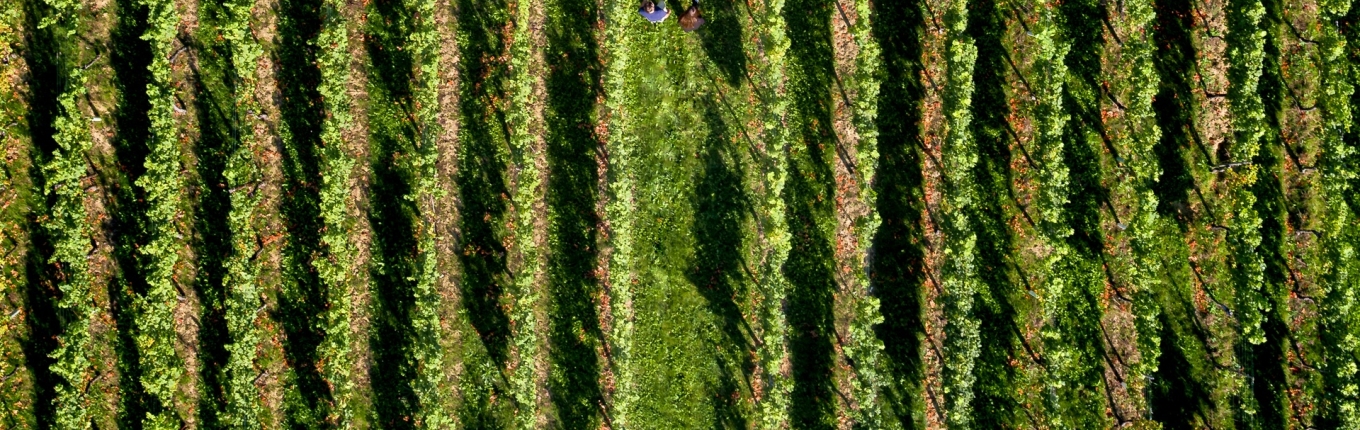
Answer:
(424, 43)
(243, 304)
(775, 247)
(528, 186)
(959, 272)
(1050, 120)
(338, 270)
(1246, 42)
(163, 186)
(1145, 227)
(65, 222)
(622, 204)
(1340, 307)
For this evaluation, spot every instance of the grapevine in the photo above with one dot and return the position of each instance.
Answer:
(1144, 224)
(66, 224)
(162, 185)
(527, 186)
(1339, 310)
(960, 279)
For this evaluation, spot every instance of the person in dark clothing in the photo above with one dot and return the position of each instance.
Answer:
(690, 20)
(653, 11)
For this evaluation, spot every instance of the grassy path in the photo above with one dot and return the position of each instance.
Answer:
(681, 286)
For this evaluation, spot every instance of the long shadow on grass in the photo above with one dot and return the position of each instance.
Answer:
(719, 218)
(303, 298)
(809, 196)
(1079, 324)
(721, 38)
(995, 405)
(214, 98)
(1265, 363)
(482, 191)
(481, 176)
(131, 57)
(43, 49)
(1174, 106)
(393, 215)
(898, 257)
(1176, 394)
(573, 331)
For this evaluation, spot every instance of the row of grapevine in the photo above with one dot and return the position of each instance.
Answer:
(1340, 307)
(338, 265)
(959, 277)
(1245, 59)
(865, 349)
(13, 391)
(63, 217)
(319, 259)
(423, 42)
(1145, 228)
(1071, 349)
(163, 188)
(243, 409)
(528, 188)
(774, 409)
(624, 170)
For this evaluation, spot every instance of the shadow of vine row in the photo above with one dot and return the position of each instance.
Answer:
(303, 298)
(482, 190)
(1080, 321)
(720, 215)
(43, 49)
(995, 405)
(573, 84)
(1177, 393)
(809, 195)
(1265, 363)
(393, 214)
(131, 58)
(481, 179)
(898, 253)
(215, 81)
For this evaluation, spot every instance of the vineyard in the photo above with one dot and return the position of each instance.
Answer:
(807, 214)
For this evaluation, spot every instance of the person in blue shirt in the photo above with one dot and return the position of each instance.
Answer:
(654, 11)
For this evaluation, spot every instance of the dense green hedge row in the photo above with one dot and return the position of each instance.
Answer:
(1340, 307)
(959, 277)
(163, 188)
(64, 217)
(243, 409)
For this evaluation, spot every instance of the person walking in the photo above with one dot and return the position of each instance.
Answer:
(653, 11)
(690, 20)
